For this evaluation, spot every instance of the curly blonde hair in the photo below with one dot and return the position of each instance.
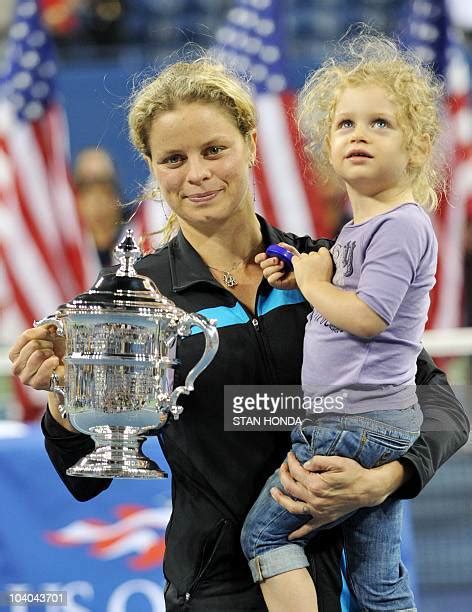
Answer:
(203, 80)
(373, 59)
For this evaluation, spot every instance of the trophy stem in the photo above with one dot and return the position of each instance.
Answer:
(117, 454)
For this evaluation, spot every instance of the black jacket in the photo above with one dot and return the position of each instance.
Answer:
(217, 475)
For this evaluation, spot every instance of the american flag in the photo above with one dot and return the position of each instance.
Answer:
(251, 41)
(43, 258)
(430, 33)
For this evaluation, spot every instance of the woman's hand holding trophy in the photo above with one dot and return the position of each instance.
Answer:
(109, 355)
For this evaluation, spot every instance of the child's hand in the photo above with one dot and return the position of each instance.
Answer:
(313, 267)
(273, 269)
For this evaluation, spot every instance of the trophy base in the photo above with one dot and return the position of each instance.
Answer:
(117, 454)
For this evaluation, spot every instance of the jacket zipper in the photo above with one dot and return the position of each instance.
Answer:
(256, 323)
(259, 333)
(198, 579)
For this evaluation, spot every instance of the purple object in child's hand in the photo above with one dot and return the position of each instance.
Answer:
(275, 250)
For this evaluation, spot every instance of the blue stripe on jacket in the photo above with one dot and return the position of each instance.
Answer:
(277, 298)
(237, 315)
(224, 315)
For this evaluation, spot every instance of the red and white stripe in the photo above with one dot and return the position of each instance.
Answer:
(451, 218)
(286, 191)
(42, 250)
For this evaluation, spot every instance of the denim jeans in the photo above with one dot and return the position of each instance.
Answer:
(376, 574)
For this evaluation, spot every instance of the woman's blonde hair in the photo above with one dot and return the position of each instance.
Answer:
(203, 80)
(370, 58)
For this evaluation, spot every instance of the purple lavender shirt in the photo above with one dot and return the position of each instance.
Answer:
(390, 263)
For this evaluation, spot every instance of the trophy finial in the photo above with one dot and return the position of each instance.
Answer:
(128, 253)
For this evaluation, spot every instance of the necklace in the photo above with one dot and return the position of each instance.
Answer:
(228, 277)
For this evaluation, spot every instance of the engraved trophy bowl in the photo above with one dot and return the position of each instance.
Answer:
(120, 340)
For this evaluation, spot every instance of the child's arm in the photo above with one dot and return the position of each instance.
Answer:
(313, 273)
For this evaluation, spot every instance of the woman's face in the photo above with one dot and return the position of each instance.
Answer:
(200, 161)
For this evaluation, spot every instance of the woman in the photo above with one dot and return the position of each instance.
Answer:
(195, 126)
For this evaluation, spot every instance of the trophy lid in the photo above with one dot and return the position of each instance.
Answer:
(124, 288)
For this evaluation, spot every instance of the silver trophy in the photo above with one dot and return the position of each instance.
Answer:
(119, 358)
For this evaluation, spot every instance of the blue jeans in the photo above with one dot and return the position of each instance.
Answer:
(376, 574)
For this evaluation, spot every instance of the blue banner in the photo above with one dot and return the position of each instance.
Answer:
(106, 553)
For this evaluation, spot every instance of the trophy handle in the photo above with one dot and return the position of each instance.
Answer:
(54, 385)
(51, 320)
(211, 348)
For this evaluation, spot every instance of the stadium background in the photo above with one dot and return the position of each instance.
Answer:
(101, 44)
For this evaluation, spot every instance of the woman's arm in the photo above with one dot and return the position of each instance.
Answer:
(65, 448)
(444, 430)
(331, 487)
(34, 356)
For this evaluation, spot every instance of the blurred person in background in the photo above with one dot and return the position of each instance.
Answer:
(61, 16)
(98, 197)
(96, 22)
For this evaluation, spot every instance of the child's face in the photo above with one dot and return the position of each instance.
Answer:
(367, 148)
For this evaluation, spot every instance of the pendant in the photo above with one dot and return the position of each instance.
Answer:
(229, 280)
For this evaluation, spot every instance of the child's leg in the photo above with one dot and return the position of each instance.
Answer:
(278, 564)
(378, 578)
(372, 536)
(292, 591)
(372, 541)
(275, 562)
